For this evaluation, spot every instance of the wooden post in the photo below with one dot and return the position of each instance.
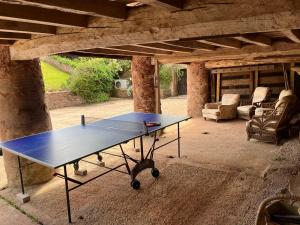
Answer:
(292, 77)
(218, 91)
(157, 88)
(256, 79)
(23, 112)
(251, 82)
(213, 87)
(174, 83)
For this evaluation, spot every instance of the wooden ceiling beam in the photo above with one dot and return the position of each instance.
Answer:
(20, 27)
(137, 48)
(94, 55)
(164, 46)
(13, 36)
(171, 5)
(6, 42)
(255, 39)
(249, 53)
(104, 51)
(31, 14)
(222, 42)
(97, 8)
(192, 45)
(293, 35)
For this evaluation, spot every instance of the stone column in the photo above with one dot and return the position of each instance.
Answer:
(197, 88)
(143, 88)
(23, 112)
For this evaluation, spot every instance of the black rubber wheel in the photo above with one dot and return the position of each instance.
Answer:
(135, 184)
(155, 172)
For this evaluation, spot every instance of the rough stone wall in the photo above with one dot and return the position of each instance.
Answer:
(60, 99)
(197, 88)
(143, 84)
(23, 112)
(58, 65)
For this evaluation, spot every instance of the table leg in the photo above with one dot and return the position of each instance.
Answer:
(178, 136)
(67, 194)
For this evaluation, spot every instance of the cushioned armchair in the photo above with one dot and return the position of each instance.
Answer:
(271, 126)
(247, 111)
(224, 110)
(271, 105)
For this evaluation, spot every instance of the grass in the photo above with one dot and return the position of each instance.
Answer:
(54, 79)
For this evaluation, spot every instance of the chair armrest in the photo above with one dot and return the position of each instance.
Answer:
(270, 105)
(227, 109)
(212, 105)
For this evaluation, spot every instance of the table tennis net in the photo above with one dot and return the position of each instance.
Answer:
(119, 125)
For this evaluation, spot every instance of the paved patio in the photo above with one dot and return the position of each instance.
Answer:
(205, 145)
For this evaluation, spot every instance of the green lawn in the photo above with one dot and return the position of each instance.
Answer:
(54, 78)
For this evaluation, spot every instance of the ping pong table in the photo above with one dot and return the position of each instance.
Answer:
(59, 148)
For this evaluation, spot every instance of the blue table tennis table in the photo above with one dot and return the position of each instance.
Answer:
(59, 148)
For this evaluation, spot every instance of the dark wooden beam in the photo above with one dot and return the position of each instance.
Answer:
(86, 54)
(105, 51)
(164, 46)
(255, 39)
(223, 42)
(13, 36)
(20, 27)
(293, 35)
(192, 45)
(136, 48)
(107, 8)
(6, 42)
(167, 4)
(25, 13)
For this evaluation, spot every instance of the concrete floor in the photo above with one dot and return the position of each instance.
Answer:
(205, 144)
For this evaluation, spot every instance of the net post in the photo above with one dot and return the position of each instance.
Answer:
(145, 127)
(82, 120)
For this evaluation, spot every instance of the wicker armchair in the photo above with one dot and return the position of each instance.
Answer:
(247, 111)
(222, 110)
(271, 126)
(271, 105)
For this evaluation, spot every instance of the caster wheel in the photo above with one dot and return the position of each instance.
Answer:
(155, 172)
(135, 184)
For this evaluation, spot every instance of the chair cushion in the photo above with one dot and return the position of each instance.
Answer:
(260, 94)
(230, 99)
(244, 110)
(284, 93)
(259, 111)
(215, 112)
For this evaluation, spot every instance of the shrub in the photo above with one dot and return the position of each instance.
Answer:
(166, 74)
(93, 80)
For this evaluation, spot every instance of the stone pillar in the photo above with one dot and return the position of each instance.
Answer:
(197, 88)
(143, 88)
(23, 112)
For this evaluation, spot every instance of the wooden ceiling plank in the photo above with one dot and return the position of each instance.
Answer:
(94, 55)
(6, 42)
(223, 42)
(97, 8)
(20, 27)
(14, 36)
(104, 51)
(171, 5)
(293, 35)
(164, 46)
(137, 48)
(192, 45)
(31, 14)
(255, 39)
